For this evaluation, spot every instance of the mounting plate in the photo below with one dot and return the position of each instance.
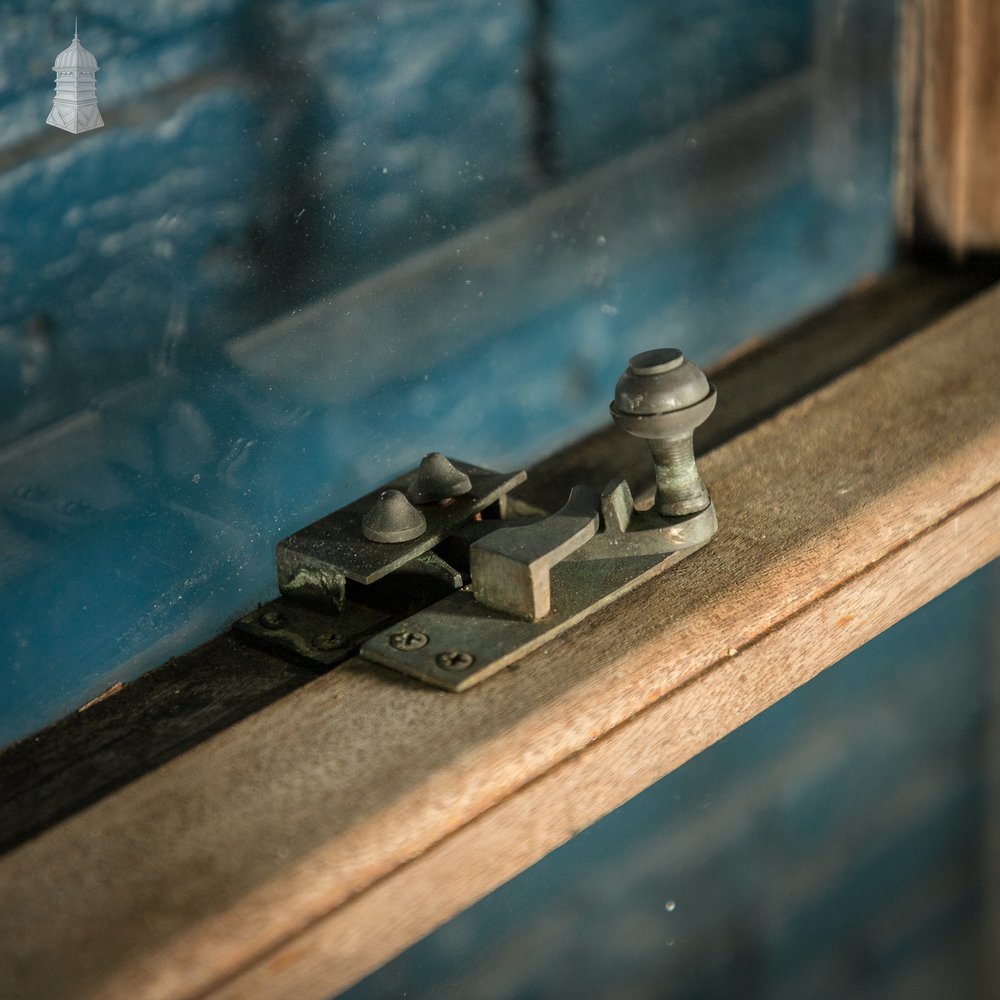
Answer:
(325, 638)
(459, 642)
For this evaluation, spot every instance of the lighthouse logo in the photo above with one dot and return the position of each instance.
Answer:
(75, 106)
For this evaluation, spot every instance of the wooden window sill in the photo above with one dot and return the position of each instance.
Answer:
(297, 850)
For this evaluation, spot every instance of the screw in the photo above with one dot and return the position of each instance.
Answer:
(326, 641)
(663, 397)
(273, 619)
(408, 641)
(454, 660)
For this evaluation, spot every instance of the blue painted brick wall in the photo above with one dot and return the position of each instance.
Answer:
(624, 72)
(339, 138)
(112, 244)
(133, 259)
(420, 119)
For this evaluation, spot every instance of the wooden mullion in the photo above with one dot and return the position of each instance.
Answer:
(950, 131)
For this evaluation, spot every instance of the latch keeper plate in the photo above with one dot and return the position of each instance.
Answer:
(460, 643)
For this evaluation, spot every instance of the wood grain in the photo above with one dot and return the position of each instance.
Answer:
(310, 842)
(493, 847)
(950, 144)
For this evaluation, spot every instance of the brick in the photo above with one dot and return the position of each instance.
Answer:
(141, 17)
(920, 921)
(626, 73)
(133, 243)
(419, 118)
(20, 552)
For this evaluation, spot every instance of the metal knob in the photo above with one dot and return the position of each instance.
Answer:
(663, 397)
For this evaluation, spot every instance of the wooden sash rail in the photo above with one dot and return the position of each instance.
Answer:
(297, 850)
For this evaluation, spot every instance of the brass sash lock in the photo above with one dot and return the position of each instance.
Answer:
(440, 576)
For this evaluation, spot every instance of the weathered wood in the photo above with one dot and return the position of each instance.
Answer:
(950, 144)
(305, 845)
(134, 729)
(503, 841)
(72, 764)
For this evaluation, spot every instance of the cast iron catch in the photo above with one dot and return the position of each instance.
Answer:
(437, 576)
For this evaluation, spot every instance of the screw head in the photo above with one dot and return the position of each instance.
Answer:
(455, 659)
(408, 641)
(273, 619)
(326, 641)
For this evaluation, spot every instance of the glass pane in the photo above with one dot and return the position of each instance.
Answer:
(316, 240)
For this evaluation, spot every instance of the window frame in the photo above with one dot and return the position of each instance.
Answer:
(300, 848)
(304, 846)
